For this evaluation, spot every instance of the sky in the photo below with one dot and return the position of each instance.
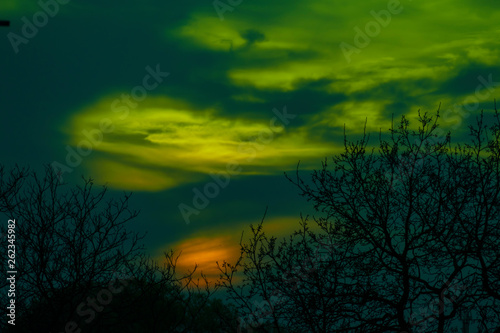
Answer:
(199, 107)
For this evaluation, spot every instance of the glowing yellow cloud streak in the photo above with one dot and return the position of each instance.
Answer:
(164, 143)
(407, 47)
(355, 116)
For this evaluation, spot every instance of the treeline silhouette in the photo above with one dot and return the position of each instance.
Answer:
(80, 270)
(405, 238)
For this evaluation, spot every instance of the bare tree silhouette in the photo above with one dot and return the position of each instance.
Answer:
(79, 269)
(412, 230)
(67, 240)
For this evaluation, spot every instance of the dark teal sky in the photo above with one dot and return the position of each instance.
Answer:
(231, 76)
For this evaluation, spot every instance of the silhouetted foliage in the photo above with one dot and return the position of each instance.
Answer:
(405, 239)
(80, 270)
(149, 298)
(66, 239)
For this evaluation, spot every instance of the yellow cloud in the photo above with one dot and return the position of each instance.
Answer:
(354, 115)
(18, 7)
(210, 32)
(282, 77)
(163, 143)
(405, 47)
(131, 178)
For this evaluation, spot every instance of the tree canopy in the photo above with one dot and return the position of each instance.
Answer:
(405, 239)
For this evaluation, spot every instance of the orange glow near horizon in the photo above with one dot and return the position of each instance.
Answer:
(204, 252)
